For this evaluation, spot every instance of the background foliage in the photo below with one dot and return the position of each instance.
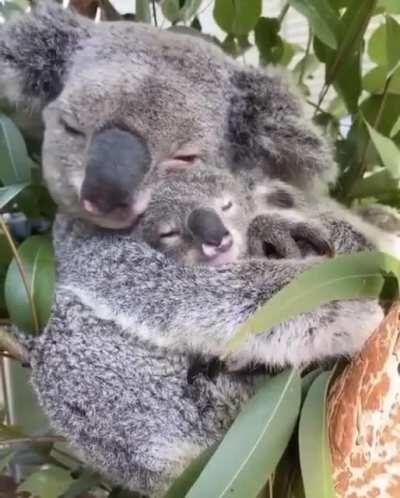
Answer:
(358, 105)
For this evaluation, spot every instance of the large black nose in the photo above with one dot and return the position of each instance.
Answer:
(117, 161)
(207, 226)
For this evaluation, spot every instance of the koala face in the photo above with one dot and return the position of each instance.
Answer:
(120, 99)
(198, 217)
(114, 123)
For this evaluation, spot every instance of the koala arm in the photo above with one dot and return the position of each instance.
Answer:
(197, 309)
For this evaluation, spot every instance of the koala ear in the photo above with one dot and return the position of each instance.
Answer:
(35, 51)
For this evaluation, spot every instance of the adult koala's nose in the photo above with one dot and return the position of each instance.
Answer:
(117, 161)
(208, 229)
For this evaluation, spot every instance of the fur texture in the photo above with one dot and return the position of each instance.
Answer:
(110, 368)
(177, 92)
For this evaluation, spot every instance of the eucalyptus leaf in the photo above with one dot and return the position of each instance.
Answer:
(377, 183)
(253, 446)
(9, 193)
(344, 277)
(387, 150)
(322, 18)
(237, 17)
(47, 482)
(268, 41)
(175, 11)
(5, 458)
(315, 459)
(374, 80)
(37, 258)
(392, 42)
(391, 6)
(354, 22)
(348, 82)
(396, 128)
(87, 480)
(189, 476)
(6, 254)
(142, 11)
(14, 161)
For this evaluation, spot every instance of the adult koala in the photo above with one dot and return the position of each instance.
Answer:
(110, 368)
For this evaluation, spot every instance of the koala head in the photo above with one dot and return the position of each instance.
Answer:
(198, 216)
(119, 99)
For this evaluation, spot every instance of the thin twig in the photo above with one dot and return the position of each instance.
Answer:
(13, 347)
(33, 440)
(153, 4)
(283, 13)
(363, 161)
(321, 98)
(307, 52)
(7, 416)
(22, 271)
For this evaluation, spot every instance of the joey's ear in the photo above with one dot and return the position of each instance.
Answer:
(35, 52)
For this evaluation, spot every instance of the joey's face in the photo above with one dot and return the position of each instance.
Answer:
(115, 122)
(197, 222)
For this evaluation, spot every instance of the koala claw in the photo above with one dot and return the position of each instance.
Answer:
(280, 238)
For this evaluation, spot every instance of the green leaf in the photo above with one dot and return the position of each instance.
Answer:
(48, 482)
(119, 492)
(374, 81)
(380, 182)
(306, 66)
(322, 18)
(174, 11)
(392, 42)
(392, 6)
(142, 11)
(387, 150)
(313, 442)
(237, 17)
(268, 41)
(396, 128)
(377, 46)
(37, 257)
(348, 82)
(189, 476)
(344, 277)
(14, 161)
(6, 254)
(386, 108)
(254, 444)
(87, 480)
(8, 193)
(5, 459)
(343, 67)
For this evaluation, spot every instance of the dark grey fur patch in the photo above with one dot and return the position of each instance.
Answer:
(281, 198)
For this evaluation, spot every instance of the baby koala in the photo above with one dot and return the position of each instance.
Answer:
(207, 216)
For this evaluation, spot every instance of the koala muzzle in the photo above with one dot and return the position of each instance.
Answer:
(117, 161)
(208, 229)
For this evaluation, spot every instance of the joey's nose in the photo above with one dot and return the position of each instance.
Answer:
(208, 228)
(117, 161)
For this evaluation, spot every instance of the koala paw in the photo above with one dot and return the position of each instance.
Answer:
(277, 237)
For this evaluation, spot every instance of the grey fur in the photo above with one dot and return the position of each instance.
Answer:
(174, 90)
(109, 368)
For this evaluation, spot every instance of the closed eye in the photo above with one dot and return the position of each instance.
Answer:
(170, 234)
(71, 129)
(227, 206)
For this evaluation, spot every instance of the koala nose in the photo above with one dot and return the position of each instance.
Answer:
(117, 162)
(208, 228)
